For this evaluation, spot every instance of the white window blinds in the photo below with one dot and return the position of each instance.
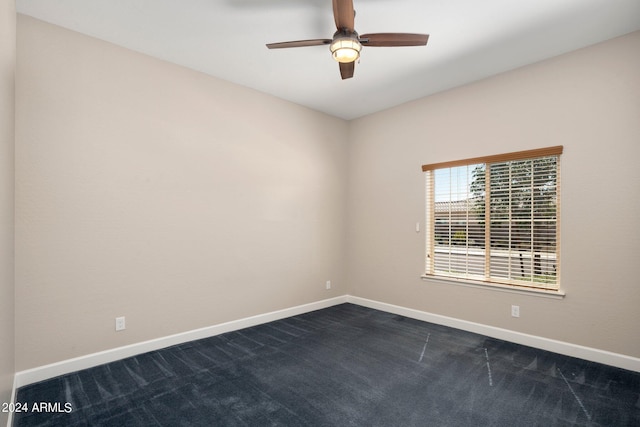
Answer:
(495, 219)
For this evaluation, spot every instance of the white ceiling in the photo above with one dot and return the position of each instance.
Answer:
(469, 40)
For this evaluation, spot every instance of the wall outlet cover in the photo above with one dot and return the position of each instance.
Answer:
(120, 324)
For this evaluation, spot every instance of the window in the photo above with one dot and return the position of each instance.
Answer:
(495, 219)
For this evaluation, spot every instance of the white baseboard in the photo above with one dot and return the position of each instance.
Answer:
(568, 349)
(41, 373)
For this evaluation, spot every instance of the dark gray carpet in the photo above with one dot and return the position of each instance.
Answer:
(342, 366)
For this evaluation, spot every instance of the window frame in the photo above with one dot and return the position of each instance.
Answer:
(487, 281)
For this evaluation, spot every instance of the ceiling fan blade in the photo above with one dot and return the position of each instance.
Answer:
(344, 15)
(299, 43)
(347, 69)
(393, 39)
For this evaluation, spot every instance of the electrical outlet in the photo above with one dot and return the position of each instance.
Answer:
(328, 284)
(120, 326)
(515, 311)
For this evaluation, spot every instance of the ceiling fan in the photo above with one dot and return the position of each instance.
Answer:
(346, 44)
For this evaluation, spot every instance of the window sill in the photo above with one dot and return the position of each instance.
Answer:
(544, 293)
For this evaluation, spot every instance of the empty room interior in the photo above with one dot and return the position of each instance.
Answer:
(177, 199)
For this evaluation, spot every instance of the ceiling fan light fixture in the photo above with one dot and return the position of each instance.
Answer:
(345, 47)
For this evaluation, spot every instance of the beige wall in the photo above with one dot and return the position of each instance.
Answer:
(587, 101)
(7, 72)
(154, 192)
